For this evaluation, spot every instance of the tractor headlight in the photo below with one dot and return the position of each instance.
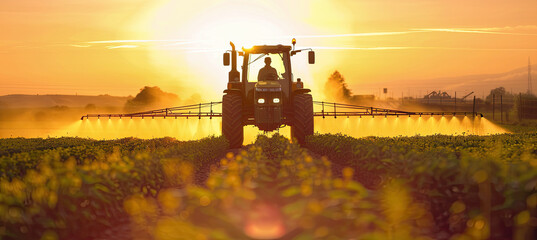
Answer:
(261, 100)
(276, 100)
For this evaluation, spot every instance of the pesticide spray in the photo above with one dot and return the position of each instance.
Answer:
(194, 128)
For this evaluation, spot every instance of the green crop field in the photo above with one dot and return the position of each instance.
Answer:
(333, 187)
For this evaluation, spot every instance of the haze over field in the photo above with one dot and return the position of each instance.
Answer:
(117, 46)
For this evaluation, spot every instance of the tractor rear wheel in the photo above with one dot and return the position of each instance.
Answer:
(303, 117)
(232, 128)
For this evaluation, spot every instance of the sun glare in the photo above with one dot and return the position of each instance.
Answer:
(200, 36)
(215, 25)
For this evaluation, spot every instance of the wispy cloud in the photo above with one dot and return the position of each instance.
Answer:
(361, 48)
(481, 49)
(122, 46)
(362, 34)
(493, 30)
(456, 30)
(175, 42)
(509, 28)
(422, 47)
(80, 45)
(135, 41)
(205, 44)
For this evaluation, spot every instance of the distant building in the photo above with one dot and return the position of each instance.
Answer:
(437, 95)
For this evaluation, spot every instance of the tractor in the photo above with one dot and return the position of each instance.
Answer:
(268, 100)
(269, 97)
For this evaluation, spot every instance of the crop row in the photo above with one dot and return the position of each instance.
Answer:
(435, 187)
(276, 190)
(79, 187)
(462, 180)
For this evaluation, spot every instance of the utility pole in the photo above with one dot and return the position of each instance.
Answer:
(501, 108)
(473, 109)
(493, 106)
(530, 87)
(455, 101)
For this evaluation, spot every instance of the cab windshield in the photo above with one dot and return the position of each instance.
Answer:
(257, 62)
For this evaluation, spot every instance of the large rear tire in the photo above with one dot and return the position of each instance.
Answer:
(232, 128)
(303, 117)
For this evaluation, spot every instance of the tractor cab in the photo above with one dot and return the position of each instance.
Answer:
(269, 96)
(266, 79)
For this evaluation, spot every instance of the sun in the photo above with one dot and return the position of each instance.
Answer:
(245, 23)
(245, 28)
(199, 35)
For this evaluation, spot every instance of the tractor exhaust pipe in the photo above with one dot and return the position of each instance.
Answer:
(233, 57)
(234, 75)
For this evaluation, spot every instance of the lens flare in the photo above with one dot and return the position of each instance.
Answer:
(264, 221)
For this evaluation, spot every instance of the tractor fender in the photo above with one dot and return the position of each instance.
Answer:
(301, 91)
(228, 91)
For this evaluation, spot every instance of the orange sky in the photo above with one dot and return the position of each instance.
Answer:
(71, 46)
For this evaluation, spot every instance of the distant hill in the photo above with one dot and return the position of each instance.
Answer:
(515, 80)
(41, 101)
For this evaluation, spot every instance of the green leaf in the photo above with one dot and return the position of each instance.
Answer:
(291, 191)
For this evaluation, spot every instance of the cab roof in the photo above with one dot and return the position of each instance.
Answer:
(268, 49)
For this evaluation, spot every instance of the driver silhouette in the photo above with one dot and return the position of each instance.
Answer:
(267, 72)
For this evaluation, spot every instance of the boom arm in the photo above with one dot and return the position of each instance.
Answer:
(467, 95)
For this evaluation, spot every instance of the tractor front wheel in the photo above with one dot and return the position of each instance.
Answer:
(232, 128)
(303, 117)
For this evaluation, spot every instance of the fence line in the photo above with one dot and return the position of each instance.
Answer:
(508, 107)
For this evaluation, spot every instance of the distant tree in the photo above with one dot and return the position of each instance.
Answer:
(60, 108)
(336, 88)
(528, 95)
(497, 92)
(90, 107)
(151, 97)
